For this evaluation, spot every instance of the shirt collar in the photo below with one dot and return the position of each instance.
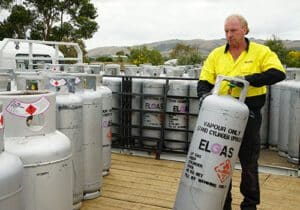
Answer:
(247, 47)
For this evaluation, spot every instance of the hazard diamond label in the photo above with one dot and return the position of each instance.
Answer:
(30, 109)
(223, 170)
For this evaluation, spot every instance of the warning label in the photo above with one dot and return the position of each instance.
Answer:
(223, 170)
(25, 109)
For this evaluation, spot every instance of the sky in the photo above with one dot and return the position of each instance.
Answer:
(134, 22)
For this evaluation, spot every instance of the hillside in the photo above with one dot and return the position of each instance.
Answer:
(166, 46)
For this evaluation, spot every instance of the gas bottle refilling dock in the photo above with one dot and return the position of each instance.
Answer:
(214, 148)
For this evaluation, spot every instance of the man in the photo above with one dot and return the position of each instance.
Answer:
(258, 65)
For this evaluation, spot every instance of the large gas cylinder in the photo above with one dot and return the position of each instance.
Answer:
(213, 150)
(11, 175)
(69, 122)
(30, 133)
(176, 118)
(92, 136)
(106, 95)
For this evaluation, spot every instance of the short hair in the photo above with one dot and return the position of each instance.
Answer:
(242, 20)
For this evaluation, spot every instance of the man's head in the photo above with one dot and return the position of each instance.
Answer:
(236, 27)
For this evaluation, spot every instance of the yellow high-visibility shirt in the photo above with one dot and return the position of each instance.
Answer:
(257, 59)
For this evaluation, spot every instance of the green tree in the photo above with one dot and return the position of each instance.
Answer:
(142, 55)
(276, 45)
(293, 59)
(17, 23)
(186, 54)
(5, 4)
(59, 20)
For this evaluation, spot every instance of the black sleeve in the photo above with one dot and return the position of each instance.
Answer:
(203, 87)
(268, 77)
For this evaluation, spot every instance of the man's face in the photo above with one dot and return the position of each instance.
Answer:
(235, 32)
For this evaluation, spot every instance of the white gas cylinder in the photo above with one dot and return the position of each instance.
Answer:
(213, 150)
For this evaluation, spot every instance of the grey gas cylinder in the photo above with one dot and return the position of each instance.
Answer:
(177, 106)
(11, 176)
(69, 122)
(294, 123)
(106, 127)
(284, 115)
(30, 133)
(274, 115)
(114, 84)
(153, 91)
(136, 104)
(92, 136)
(30, 80)
(213, 150)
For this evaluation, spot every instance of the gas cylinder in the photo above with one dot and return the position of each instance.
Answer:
(213, 149)
(30, 80)
(92, 136)
(69, 122)
(11, 175)
(294, 123)
(284, 115)
(114, 84)
(112, 69)
(274, 115)
(136, 103)
(177, 106)
(153, 91)
(30, 133)
(106, 129)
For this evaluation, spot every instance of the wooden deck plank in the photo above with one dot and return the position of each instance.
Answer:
(141, 183)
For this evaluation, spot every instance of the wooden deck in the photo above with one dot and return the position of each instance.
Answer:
(141, 183)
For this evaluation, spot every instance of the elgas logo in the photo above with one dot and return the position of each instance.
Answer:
(215, 148)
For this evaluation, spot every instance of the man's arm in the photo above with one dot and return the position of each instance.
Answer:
(203, 87)
(268, 77)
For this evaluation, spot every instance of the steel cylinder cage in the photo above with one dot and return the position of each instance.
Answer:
(125, 138)
(30, 57)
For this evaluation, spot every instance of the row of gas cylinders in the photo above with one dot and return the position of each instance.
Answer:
(57, 140)
(282, 127)
(148, 105)
(281, 113)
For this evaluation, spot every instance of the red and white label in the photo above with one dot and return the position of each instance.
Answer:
(25, 109)
(223, 170)
(58, 83)
(1, 120)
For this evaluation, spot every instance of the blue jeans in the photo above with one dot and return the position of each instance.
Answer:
(248, 156)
